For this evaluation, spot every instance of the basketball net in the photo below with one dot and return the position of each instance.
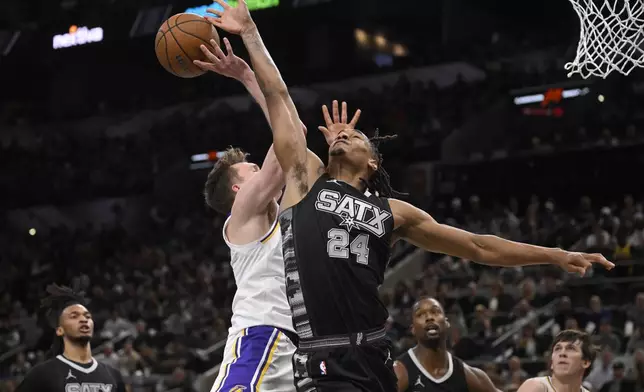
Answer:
(612, 37)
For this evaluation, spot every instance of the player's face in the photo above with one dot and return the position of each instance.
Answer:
(76, 323)
(243, 171)
(567, 359)
(353, 146)
(429, 325)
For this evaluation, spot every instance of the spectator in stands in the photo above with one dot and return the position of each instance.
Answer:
(595, 314)
(492, 371)
(108, 356)
(515, 375)
(599, 241)
(623, 247)
(9, 334)
(457, 320)
(636, 341)
(181, 380)
(500, 301)
(606, 338)
(129, 360)
(619, 383)
(637, 370)
(522, 309)
(636, 239)
(529, 293)
(550, 289)
(602, 370)
(563, 312)
(117, 325)
(20, 367)
(572, 323)
(635, 314)
(526, 344)
(482, 323)
(547, 357)
(470, 302)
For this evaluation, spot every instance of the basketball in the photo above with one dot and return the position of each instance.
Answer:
(178, 40)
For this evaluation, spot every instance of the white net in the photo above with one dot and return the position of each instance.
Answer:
(612, 37)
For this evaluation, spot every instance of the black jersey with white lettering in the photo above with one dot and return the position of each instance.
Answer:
(336, 244)
(59, 374)
(420, 380)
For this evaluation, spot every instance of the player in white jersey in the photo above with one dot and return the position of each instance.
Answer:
(261, 340)
(572, 355)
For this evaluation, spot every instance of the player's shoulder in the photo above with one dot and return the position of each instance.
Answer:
(110, 370)
(535, 383)
(404, 357)
(45, 367)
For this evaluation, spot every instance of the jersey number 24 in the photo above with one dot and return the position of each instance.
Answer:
(339, 247)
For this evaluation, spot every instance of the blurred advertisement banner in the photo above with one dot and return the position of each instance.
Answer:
(78, 36)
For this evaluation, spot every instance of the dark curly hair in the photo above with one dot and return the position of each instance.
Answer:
(379, 182)
(60, 297)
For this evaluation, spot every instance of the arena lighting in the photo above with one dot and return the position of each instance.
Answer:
(361, 37)
(381, 41)
(538, 98)
(207, 156)
(253, 5)
(78, 36)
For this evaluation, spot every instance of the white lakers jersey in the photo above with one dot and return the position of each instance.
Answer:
(547, 382)
(261, 289)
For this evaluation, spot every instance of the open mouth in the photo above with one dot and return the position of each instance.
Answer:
(432, 330)
(84, 329)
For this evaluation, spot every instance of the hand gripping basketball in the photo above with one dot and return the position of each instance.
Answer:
(234, 20)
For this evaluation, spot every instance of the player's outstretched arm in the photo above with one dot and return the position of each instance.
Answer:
(402, 375)
(419, 228)
(532, 385)
(289, 143)
(230, 65)
(478, 381)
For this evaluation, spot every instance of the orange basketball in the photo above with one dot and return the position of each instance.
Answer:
(178, 40)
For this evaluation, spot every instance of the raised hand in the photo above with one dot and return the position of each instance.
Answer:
(233, 20)
(224, 64)
(581, 262)
(338, 123)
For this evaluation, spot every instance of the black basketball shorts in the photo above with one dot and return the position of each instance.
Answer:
(357, 362)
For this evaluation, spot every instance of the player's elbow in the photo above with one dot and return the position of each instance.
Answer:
(277, 90)
(484, 252)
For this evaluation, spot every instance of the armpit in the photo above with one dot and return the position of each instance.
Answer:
(301, 178)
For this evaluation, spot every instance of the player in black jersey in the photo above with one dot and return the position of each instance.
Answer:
(338, 224)
(73, 369)
(429, 367)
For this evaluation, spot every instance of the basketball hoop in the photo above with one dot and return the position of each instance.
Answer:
(611, 39)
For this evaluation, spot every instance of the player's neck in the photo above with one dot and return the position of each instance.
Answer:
(432, 358)
(347, 174)
(78, 353)
(569, 384)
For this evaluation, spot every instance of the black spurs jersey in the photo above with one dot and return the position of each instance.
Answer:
(419, 379)
(62, 375)
(336, 244)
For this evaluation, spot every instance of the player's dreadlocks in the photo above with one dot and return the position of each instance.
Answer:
(60, 297)
(380, 180)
